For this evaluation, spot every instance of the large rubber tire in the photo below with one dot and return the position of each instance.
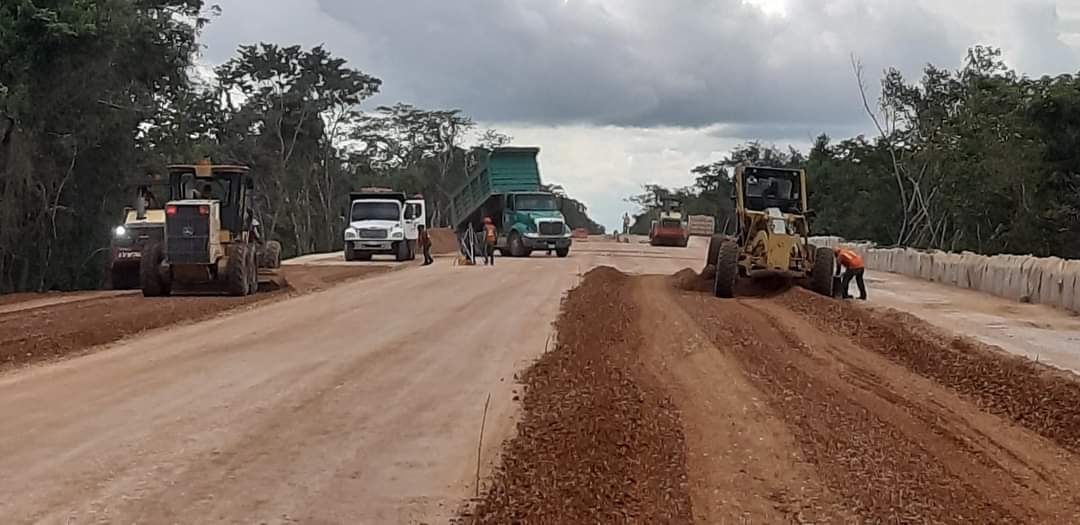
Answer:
(269, 255)
(562, 252)
(727, 270)
(236, 274)
(517, 246)
(401, 253)
(821, 276)
(253, 270)
(151, 281)
(714, 249)
(350, 255)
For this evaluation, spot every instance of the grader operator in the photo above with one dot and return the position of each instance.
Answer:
(773, 233)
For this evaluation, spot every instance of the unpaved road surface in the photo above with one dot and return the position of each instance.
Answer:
(362, 403)
(358, 404)
(792, 408)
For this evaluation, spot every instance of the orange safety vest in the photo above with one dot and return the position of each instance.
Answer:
(489, 232)
(849, 259)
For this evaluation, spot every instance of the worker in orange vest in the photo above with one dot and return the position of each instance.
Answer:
(491, 234)
(853, 269)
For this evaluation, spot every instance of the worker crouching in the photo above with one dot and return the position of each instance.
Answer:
(854, 268)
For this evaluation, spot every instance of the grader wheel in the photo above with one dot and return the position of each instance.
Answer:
(727, 269)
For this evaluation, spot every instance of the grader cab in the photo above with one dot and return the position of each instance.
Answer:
(773, 234)
(211, 240)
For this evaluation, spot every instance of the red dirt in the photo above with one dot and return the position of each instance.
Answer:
(56, 331)
(443, 241)
(1034, 396)
(598, 443)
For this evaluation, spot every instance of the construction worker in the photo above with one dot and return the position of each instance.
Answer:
(626, 224)
(423, 238)
(853, 269)
(207, 192)
(491, 234)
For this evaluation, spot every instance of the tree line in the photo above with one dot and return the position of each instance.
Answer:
(98, 96)
(980, 159)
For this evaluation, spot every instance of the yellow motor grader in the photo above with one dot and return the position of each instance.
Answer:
(773, 234)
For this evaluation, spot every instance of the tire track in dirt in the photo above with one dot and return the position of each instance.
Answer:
(743, 461)
(1035, 397)
(867, 446)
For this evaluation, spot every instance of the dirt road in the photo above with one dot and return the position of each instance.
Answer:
(359, 404)
(362, 404)
(794, 408)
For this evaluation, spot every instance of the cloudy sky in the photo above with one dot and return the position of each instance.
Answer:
(619, 93)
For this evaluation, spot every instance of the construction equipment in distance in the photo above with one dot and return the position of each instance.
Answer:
(211, 237)
(143, 225)
(773, 233)
(670, 228)
(701, 225)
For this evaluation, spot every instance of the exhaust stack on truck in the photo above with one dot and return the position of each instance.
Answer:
(506, 187)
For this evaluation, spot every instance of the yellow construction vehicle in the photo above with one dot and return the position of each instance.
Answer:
(211, 239)
(773, 232)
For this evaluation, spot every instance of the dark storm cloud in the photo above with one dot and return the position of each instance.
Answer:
(640, 62)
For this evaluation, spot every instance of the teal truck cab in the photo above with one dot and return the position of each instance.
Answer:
(506, 187)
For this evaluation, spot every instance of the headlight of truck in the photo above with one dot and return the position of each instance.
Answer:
(531, 234)
(120, 231)
(350, 234)
(397, 235)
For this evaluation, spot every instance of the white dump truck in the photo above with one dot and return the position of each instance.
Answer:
(383, 222)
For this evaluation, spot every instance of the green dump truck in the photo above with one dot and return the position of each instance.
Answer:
(505, 186)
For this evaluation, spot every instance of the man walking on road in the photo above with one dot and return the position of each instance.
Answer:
(423, 238)
(853, 269)
(491, 233)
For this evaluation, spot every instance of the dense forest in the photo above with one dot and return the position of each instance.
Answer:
(98, 96)
(980, 159)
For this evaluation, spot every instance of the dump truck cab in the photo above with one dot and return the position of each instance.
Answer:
(209, 241)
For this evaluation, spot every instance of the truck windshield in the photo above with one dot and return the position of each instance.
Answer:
(376, 211)
(536, 203)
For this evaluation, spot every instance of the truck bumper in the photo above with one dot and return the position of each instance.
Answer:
(375, 247)
(541, 243)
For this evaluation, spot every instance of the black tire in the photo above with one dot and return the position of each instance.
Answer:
(124, 277)
(517, 246)
(253, 269)
(236, 275)
(151, 280)
(821, 276)
(727, 270)
(401, 253)
(562, 252)
(714, 249)
(350, 255)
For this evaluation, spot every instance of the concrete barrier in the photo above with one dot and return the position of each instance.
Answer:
(1043, 280)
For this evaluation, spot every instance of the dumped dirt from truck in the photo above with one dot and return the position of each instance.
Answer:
(62, 329)
(443, 241)
(599, 441)
(793, 408)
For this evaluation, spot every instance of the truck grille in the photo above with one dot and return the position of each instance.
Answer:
(187, 236)
(551, 228)
(373, 233)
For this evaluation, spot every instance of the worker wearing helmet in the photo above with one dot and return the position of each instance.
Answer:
(491, 234)
(854, 268)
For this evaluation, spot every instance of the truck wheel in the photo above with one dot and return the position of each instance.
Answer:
(124, 277)
(236, 278)
(401, 253)
(562, 252)
(350, 255)
(822, 276)
(517, 246)
(727, 269)
(151, 280)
